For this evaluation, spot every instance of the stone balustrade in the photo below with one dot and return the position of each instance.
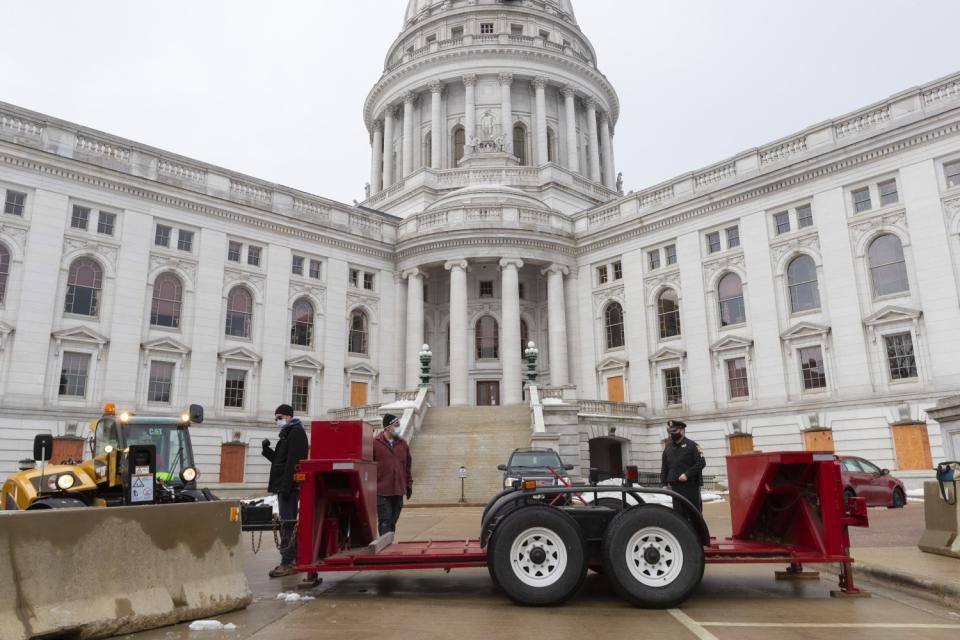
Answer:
(356, 413)
(607, 408)
(498, 217)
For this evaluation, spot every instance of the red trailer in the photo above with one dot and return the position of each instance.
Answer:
(538, 542)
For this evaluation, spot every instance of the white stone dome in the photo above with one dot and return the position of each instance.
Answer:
(416, 7)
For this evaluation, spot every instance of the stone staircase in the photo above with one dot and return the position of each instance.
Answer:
(478, 438)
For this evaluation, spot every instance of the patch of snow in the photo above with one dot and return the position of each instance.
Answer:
(211, 625)
(915, 495)
(293, 597)
(399, 404)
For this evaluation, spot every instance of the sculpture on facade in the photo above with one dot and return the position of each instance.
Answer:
(620, 183)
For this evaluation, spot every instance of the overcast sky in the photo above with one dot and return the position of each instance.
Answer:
(275, 89)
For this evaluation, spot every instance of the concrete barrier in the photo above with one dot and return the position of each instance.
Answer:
(942, 532)
(99, 572)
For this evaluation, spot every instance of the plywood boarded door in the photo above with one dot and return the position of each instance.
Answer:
(819, 440)
(913, 447)
(232, 458)
(358, 394)
(615, 389)
(741, 443)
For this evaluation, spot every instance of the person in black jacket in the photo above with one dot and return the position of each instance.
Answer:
(682, 467)
(291, 449)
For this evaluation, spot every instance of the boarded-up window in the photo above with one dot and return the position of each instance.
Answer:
(615, 389)
(741, 443)
(913, 447)
(819, 440)
(232, 458)
(358, 394)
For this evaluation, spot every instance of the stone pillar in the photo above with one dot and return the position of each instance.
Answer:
(408, 101)
(594, 149)
(606, 147)
(506, 110)
(540, 86)
(510, 352)
(573, 156)
(573, 329)
(459, 362)
(557, 314)
(388, 155)
(436, 126)
(470, 118)
(415, 279)
(376, 159)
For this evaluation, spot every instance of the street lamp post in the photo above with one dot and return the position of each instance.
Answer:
(425, 357)
(531, 353)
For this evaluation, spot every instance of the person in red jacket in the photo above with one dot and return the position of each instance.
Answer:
(394, 480)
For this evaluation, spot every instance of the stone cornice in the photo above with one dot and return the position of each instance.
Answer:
(495, 242)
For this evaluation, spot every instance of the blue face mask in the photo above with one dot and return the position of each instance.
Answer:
(281, 422)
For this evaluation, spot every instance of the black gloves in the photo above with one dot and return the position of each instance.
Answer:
(409, 492)
(266, 443)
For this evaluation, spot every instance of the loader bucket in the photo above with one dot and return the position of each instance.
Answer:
(94, 573)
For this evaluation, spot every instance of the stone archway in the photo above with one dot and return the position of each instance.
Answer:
(607, 456)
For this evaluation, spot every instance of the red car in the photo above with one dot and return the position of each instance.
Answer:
(866, 480)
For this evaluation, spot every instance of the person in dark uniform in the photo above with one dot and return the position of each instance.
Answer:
(683, 463)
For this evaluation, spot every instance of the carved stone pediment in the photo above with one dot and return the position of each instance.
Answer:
(168, 345)
(305, 362)
(731, 343)
(892, 314)
(362, 369)
(804, 330)
(241, 354)
(611, 364)
(80, 334)
(665, 354)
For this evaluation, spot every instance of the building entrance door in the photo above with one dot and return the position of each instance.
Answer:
(488, 394)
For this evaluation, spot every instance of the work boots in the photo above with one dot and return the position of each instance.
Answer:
(282, 571)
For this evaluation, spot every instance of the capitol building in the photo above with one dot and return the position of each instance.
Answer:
(800, 295)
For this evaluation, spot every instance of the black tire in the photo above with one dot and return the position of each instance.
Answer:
(665, 551)
(537, 544)
(899, 499)
(612, 503)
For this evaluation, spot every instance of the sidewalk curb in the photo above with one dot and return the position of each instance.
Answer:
(928, 588)
(443, 505)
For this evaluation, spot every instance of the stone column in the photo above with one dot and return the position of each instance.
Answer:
(510, 352)
(408, 101)
(470, 118)
(606, 147)
(573, 328)
(388, 154)
(557, 314)
(540, 86)
(573, 156)
(414, 324)
(459, 362)
(506, 110)
(436, 126)
(594, 149)
(376, 159)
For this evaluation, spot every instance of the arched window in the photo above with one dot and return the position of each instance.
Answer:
(428, 149)
(802, 282)
(301, 329)
(668, 314)
(520, 144)
(888, 270)
(488, 339)
(84, 283)
(731, 300)
(524, 336)
(551, 145)
(357, 341)
(613, 321)
(239, 312)
(167, 301)
(459, 144)
(4, 272)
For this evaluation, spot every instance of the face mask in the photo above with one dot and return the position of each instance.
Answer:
(281, 422)
(676, 437)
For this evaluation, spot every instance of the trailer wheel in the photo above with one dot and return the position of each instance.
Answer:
(537, 556)
(653, 556)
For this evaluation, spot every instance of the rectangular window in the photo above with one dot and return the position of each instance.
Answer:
(106, 222)
(900, 356)
(80, 218)
(14, 203)
(861, 200)
(233, 251)
(253, 256)
(811, 368)
(672, 387)
(951, 171)
(670, 251)
(486, 28)
(234, 388)
(354, 278)
(733, 237)
(486, 288)
(888, 192)
(301, 394)
(782, 222)
(185, 240)
(161, 236)
(544, 34)
(431, 38)
(368, 281)
(805, 216)
(73, 374)
(617, 270)
(653, 259)
(161, 381)
(516, 29)
(713, 242)
(602, 275)
(456, 32)
(737, 378)
(297, 265)
(315, 266)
